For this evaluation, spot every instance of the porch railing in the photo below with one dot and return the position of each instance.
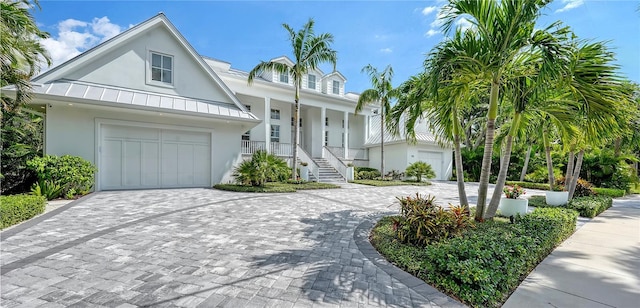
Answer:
(250, 146)
(281, 149)
(313, 167)
(354, 153)
(334, 161)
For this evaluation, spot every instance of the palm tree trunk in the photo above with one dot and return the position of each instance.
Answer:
(296, 138)
(569, 173)
(576, 174)
(547, 152)
(617, 146)
(526, 164)
(488, 151)
(462, 194)
(382, 140)
(504, 167)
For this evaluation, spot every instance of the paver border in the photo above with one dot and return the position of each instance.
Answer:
(361, 238)
(13, 230)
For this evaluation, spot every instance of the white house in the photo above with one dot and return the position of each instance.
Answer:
(150, 112)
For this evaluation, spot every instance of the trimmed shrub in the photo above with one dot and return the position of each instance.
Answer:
(73, 174)
(286, 187)
(590, 206)
(394, 175)
(484, 265)
(368, 175)
(421, 221)
(529, 185)
(609, 192)
(420, 169)
(18, 208)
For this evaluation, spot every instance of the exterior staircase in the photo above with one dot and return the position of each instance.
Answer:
(326, 173)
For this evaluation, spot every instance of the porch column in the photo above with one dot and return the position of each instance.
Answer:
(323, 116)
(366, 128)
(267, 124)
(346, 134)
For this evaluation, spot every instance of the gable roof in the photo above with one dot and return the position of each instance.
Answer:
(335, 73)
(422, 136)
(160, 19)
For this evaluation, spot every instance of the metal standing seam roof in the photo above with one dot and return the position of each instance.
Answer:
(374, 135)
(121, 97)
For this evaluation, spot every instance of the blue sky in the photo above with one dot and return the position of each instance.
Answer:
(379, 33)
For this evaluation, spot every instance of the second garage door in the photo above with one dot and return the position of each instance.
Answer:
(434, 159)
(143, 157)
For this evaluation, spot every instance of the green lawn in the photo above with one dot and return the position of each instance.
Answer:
(276, 187)
(389, 183)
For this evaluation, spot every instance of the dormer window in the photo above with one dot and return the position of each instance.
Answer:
(284, 78)
(311, 82)
(161, 68)
(336, 87)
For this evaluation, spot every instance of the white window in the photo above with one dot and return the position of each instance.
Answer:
(343, 140)
(247, 135)
(248, 107)
(284, 78)
(299, 121)
(326, 137)
(275, 114)
(161, 68)
(311, 82)
(336, 87)
(275, 133)
(326, 121)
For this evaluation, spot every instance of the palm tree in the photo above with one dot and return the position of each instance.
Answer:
(309, 51)
(382, 93)
(443, 110)
(20, 50)
(501, 30)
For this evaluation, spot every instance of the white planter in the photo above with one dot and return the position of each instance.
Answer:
(350, 176)
(512, 207)
(304, 173)
(556, 198)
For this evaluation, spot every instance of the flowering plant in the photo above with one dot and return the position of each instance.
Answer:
(513, 192)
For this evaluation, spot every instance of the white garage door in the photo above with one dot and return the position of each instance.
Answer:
(143, 157)
(434, 159)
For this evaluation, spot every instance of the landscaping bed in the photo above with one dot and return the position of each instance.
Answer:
(18, 208)
(389, 183)
(484, 265)
(586, 206)
(275, 187)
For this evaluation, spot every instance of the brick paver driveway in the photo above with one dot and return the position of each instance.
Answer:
(209, 248)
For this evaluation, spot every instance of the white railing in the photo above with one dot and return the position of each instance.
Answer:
(313, 167)
(250, 146)
(334, 161)
(354, 153)
(281, 149)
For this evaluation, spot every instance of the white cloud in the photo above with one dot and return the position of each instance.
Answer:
(431, 33)
(428, 10)
(442, 12)
(75, 36)
(464, 24)
(386, 50)
(570, 5)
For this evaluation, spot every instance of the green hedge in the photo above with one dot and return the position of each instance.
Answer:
(18, 208)
(609, 192)
(541, 186)
(275, 187)
(586, 206)
(389, 183)
(590, 206)
(485, 264)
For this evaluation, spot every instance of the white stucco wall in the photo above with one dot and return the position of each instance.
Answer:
(395, 157)
(128, 66)
(72, 130)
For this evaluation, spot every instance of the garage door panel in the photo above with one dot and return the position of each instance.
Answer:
(132, 163)
(434, 159)
(169, 165)
(150, 164)
(112, 160)
(142, 157)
